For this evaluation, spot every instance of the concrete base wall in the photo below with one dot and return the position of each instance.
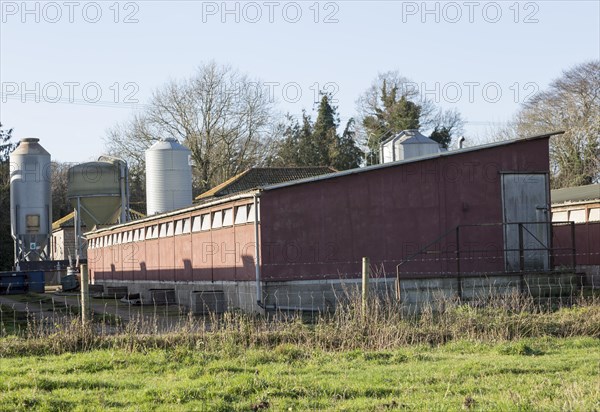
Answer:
(325, 295)
(591, 275)
(238, 295)
(415, 291)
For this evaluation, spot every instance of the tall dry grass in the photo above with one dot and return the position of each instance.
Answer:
(383, 324)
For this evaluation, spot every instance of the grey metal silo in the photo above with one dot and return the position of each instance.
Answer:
(98, 191)
(168, 176)
(407, 144)
(99, 195)
(30, 201)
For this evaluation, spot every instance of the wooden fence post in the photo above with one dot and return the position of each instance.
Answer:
(365, 283)
(85, 293)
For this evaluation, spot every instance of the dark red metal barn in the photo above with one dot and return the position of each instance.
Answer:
(476, 210)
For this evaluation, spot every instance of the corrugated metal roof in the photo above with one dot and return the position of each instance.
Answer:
(575, 194)
(411, 160)
(263, 176)
(206, 202)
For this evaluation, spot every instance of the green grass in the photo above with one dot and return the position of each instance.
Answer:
(504, 354)
(526, 374)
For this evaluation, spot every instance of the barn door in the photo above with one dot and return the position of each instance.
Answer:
(525, 202)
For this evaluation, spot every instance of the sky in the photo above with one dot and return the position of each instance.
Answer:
(71, 70)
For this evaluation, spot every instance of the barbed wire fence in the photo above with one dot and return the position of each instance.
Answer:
(171, 308)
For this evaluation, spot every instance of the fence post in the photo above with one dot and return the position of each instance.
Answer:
(365, 283)
(85, 296)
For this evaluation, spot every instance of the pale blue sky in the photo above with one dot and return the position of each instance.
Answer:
(170, 39)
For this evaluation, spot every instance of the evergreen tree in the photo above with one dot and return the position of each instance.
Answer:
(345, 154)
(137, 188)
(294, 148)
(392, 104)
(60, 177)
(318, 144)
(6, 242)
(442, 135)
(394, 114)
(324, 135)
(6, 146)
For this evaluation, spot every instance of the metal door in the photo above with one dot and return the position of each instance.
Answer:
(526, 221)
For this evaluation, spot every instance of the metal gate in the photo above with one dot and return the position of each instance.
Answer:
(526, 221)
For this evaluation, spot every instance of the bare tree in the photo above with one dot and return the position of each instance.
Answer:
(221, 115)
(6, 241)
(571, 103)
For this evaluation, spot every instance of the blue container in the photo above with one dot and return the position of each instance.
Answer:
(36, 281)
(13, 282)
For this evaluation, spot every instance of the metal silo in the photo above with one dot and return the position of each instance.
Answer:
(30, 201)
(98, 191)
(408, 144)
(168, 176)
(99, 195)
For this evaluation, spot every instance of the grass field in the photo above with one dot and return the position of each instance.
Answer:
(529, 374)
(507, 354)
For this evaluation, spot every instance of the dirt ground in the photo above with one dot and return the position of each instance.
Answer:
(56, 304)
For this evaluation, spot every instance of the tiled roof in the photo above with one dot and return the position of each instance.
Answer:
(263, 176)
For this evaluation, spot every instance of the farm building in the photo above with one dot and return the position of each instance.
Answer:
(581, 206)
(62, 241)
(471, 212)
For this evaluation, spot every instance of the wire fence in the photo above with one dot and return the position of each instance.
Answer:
(120, 308)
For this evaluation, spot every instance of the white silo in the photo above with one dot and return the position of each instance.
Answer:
(30, 201)
(168, 176)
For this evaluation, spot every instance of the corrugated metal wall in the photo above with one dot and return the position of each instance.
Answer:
(202, 254)
(322, 229)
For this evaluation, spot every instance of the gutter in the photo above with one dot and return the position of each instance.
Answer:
(259, 301)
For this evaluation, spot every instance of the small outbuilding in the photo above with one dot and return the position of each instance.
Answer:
(579, 207)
